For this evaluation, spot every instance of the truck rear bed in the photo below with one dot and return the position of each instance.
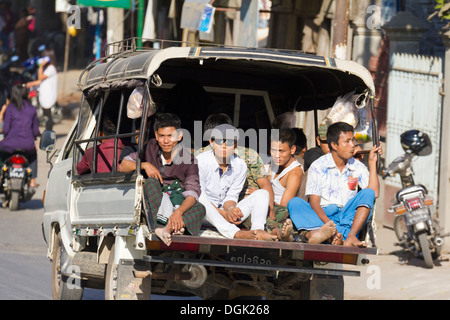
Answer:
(261, 255)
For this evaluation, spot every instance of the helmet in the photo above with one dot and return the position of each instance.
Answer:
(416, 142)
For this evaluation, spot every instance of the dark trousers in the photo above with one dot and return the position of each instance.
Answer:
(193, 218)
(48, 114)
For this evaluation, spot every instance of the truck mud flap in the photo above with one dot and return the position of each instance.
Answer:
(326, 288)
(129, 287)
(249, 266)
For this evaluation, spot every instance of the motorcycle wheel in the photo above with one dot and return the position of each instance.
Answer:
(401, 231)
(426, 252)
(437, 231)
(57, 115)
(14, 200)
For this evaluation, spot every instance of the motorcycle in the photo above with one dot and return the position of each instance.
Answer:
(15, 180)
(415, 227)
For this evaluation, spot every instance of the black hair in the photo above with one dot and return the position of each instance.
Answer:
(51, 54)
(108, 127)
(164, 120)
(300, 141)
(284, 135)
(335, 130)
(19, 94)
(216, 119)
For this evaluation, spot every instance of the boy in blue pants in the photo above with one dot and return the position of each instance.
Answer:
(336, 210)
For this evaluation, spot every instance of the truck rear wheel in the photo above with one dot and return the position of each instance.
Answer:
(111, 277)
(64, 287)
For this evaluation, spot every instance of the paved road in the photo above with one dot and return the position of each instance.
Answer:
(24, 267)
(395, 274)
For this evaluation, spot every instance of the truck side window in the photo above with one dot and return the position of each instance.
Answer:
(68, 151)
(99, 152)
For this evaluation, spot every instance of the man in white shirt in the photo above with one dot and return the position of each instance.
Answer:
(48, 85)
(222, 177)
(332, 188)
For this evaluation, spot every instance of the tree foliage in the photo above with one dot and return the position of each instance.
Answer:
(442, 10)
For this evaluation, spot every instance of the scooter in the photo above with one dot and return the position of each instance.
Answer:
(15, 182)
(415, 227)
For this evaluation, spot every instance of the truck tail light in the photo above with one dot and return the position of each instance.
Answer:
(174, 246)
(331, 257)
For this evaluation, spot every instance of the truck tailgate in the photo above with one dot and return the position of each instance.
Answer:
(301, 251)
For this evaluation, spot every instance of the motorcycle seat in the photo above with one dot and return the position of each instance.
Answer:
(19, 151)
(412, 189)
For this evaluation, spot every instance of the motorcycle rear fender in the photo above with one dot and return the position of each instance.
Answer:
(15, 184)
(420, 226)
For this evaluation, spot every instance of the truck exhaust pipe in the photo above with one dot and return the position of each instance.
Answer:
(191, 276)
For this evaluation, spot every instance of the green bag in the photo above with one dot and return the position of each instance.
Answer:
(176, 192)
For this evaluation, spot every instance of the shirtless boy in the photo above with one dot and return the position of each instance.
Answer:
(285, 176)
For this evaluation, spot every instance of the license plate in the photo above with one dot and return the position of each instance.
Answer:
(17, 173)
(415, 216)
(256, 256)
(414, 203)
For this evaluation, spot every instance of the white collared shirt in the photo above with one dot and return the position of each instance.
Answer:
(221, 188)
(335, 187)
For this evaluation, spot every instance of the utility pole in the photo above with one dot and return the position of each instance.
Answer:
(340, 29)
(140, 22)
(114, 25)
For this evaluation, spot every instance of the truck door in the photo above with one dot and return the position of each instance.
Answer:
(101, 195)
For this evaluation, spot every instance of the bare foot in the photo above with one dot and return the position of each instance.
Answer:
(337, 239)
(286, 231)
(245, 234)
(164, 234)
(277, 233)
(179, 232)
(325, 232)
(264, 235)
(355, 242)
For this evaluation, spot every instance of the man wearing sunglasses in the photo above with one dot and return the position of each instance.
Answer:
(222, 176)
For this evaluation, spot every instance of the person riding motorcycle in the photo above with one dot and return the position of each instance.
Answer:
(20, 129)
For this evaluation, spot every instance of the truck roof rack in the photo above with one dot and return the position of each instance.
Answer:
(131, 45)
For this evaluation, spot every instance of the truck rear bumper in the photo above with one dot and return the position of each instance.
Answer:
(246, 266)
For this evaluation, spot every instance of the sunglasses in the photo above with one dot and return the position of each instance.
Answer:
(228, 142)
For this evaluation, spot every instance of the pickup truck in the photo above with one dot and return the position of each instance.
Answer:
(95, 224)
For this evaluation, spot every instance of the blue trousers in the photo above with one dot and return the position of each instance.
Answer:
(305, 218)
